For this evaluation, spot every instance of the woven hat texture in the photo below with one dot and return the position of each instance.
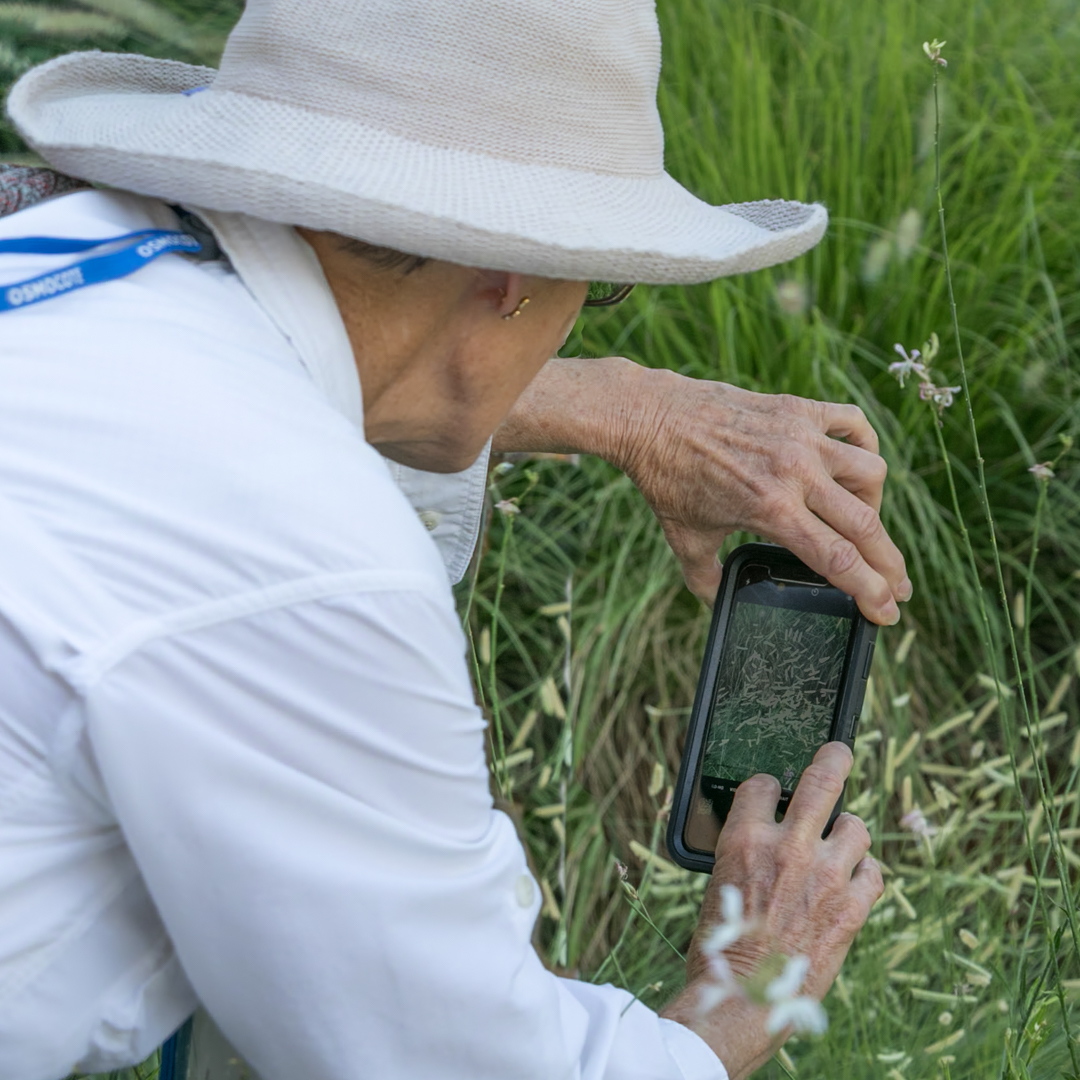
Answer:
(497, 133)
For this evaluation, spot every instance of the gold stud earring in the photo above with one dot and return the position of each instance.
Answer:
(518, 310)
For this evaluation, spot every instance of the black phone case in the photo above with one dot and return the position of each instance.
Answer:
(848, 707)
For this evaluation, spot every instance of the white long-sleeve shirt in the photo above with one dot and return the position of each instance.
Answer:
(240, 761)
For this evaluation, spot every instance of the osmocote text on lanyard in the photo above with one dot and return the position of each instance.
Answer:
(135, 251)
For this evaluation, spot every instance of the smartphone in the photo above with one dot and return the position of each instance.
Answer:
(785, 671)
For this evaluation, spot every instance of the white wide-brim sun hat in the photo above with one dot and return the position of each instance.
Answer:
(503, 134)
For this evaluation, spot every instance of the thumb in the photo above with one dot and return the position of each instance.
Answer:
(698, 554)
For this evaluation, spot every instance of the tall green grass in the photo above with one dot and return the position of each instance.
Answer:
(831, 101)
(586, 644)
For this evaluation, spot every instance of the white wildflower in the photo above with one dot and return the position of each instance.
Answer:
(909, 365)
(734, 925)
(714, 994)
(914, 821)
(941, 396)
(803, 1014)
(789, 982)
(1042, 472)
(787, 1008)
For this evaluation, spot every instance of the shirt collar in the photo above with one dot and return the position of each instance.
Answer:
(283, 274)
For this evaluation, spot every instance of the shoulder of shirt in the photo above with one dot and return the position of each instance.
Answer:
(166, 433)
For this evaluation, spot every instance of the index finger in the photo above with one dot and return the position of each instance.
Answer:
(818, 789)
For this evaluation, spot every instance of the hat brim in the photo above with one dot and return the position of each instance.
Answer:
(125, 121)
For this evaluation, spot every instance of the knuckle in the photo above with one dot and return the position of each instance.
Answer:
(855, 414)
(790, 403)
(792, 456)
(865, 523)
(876, 879)
(821, 778)
(854, 914)
(774, 505)
(793, 852)
(833, 877)
(742, 841)
(856, 827)
(841, 558)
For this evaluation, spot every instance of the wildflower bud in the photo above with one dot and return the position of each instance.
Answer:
(933, 52)
(908, 234)
(793, 297)
(931, 348)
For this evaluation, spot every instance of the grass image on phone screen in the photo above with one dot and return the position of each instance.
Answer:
(776, 692)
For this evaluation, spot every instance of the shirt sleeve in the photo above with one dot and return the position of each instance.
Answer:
(305, 792)
(450, 505)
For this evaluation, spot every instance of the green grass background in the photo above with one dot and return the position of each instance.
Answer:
(587, 645)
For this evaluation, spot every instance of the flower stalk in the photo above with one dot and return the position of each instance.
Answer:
(933, 53)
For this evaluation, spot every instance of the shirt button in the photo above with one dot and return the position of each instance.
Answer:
(430, 519)
(525, 891)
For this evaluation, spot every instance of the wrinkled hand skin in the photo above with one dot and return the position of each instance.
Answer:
(712, 459)
(808, 897)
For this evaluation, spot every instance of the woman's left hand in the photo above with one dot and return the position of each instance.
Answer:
(712, 458)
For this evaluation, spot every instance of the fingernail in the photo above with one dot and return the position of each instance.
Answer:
(906, 590)
(892, 613)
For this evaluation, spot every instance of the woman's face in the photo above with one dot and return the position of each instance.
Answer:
(440, 367)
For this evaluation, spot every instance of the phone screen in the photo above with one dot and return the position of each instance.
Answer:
(778, 680)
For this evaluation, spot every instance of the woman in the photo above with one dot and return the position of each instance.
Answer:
(241, 760)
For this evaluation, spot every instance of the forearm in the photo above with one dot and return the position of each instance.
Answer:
(578, 406)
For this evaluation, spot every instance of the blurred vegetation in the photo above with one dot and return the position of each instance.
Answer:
(586, 643)
(30, 33)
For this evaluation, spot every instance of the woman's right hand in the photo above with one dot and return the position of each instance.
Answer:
(807, 896)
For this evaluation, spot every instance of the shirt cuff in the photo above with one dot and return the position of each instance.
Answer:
(626, 1040)
(691, 1052)
(450, 505)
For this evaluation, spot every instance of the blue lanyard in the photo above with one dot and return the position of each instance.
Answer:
(139, 248)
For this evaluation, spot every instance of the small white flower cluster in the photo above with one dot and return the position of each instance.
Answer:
(786, 1008)
(933, 52)
(1045, 470)
(918, 362)
(941, 396)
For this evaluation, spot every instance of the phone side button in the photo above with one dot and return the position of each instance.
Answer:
(869, 660)
(853, 728)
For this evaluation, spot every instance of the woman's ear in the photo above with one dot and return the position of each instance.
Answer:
(504, 291)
